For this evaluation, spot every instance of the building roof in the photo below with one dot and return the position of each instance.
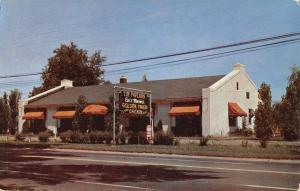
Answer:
(161, 90)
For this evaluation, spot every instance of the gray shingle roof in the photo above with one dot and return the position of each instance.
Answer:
(161, 90)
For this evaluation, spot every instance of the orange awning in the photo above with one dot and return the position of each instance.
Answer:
(95, 110)
(185, 110)
(235, 110)
(34, 115)
(64, 114)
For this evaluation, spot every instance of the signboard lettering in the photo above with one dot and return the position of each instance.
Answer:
(136, 103)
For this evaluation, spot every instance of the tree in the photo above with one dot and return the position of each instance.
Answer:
(73, 63)
(4, 113)
(3, 128)
(263, 115)
(108, 119)
(288, 115)
(80, 120)
(14, 98)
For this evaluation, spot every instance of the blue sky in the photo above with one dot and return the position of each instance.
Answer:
(127, 29)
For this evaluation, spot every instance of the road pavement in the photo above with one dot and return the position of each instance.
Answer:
(42, 169)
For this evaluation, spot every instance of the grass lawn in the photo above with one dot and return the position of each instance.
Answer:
(271, 152)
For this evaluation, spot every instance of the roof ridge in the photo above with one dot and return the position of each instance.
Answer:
(160, 80)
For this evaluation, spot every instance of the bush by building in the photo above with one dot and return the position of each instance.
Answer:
(66, 136)
(204, 140)
(44, 136)
(122, 137)
(162, 138)
(246, 132)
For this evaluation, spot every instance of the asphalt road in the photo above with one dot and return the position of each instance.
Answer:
(38, 169)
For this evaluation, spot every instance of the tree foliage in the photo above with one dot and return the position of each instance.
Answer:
(263, 114)
(80, 121)
(73, 63)
(108, 119)
(288, 111)
(14, 98)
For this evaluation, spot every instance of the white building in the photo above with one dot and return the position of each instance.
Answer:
(211, 105)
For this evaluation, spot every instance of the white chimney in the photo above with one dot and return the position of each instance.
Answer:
(240, 67)
(66, 83)
(123, 80)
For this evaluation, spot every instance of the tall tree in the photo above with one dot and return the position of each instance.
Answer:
(80, 120)
(3, 128)
(14, 98)
(5, 113)
(108, 119)
(263, 115)
(73, 63)
(289, 108)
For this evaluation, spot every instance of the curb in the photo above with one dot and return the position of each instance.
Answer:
(283, 161)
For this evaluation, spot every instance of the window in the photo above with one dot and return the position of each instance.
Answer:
(232, 121)
(251, 115)
(248, 95)
(237, 86)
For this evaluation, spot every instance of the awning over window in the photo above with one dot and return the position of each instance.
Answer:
(235, 110)
(64, 114)
(34, 115)
(185, 110)
(95, 110)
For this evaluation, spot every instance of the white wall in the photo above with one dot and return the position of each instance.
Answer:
(21, 121)
(50, 122)
(216, 121)
(161, 113)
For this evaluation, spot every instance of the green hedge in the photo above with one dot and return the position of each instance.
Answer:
(92, 137)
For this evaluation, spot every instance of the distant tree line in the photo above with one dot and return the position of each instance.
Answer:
(9, 112)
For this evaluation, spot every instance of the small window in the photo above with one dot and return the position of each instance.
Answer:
(251, 115)
(248, 95)
(237, 86)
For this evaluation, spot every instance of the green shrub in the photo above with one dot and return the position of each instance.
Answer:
(142, 137)
(176, 142)
(100, 136)
(84, 138)
(44, 136)
(162, 138)
(204, 140)
(122, 137)
(107, 135)
(75, 137)
(20, 137)
(246, 132)
(93, 137)
(65, 136)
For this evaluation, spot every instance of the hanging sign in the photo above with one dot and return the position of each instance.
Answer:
(134, 103)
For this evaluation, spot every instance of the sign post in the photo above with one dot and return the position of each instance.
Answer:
(132, 102)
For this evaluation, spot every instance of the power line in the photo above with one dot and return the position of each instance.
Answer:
(170, 63)
(269, 45)
(21, 75)
(207, 49)
(198, 60)
(181, 53)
